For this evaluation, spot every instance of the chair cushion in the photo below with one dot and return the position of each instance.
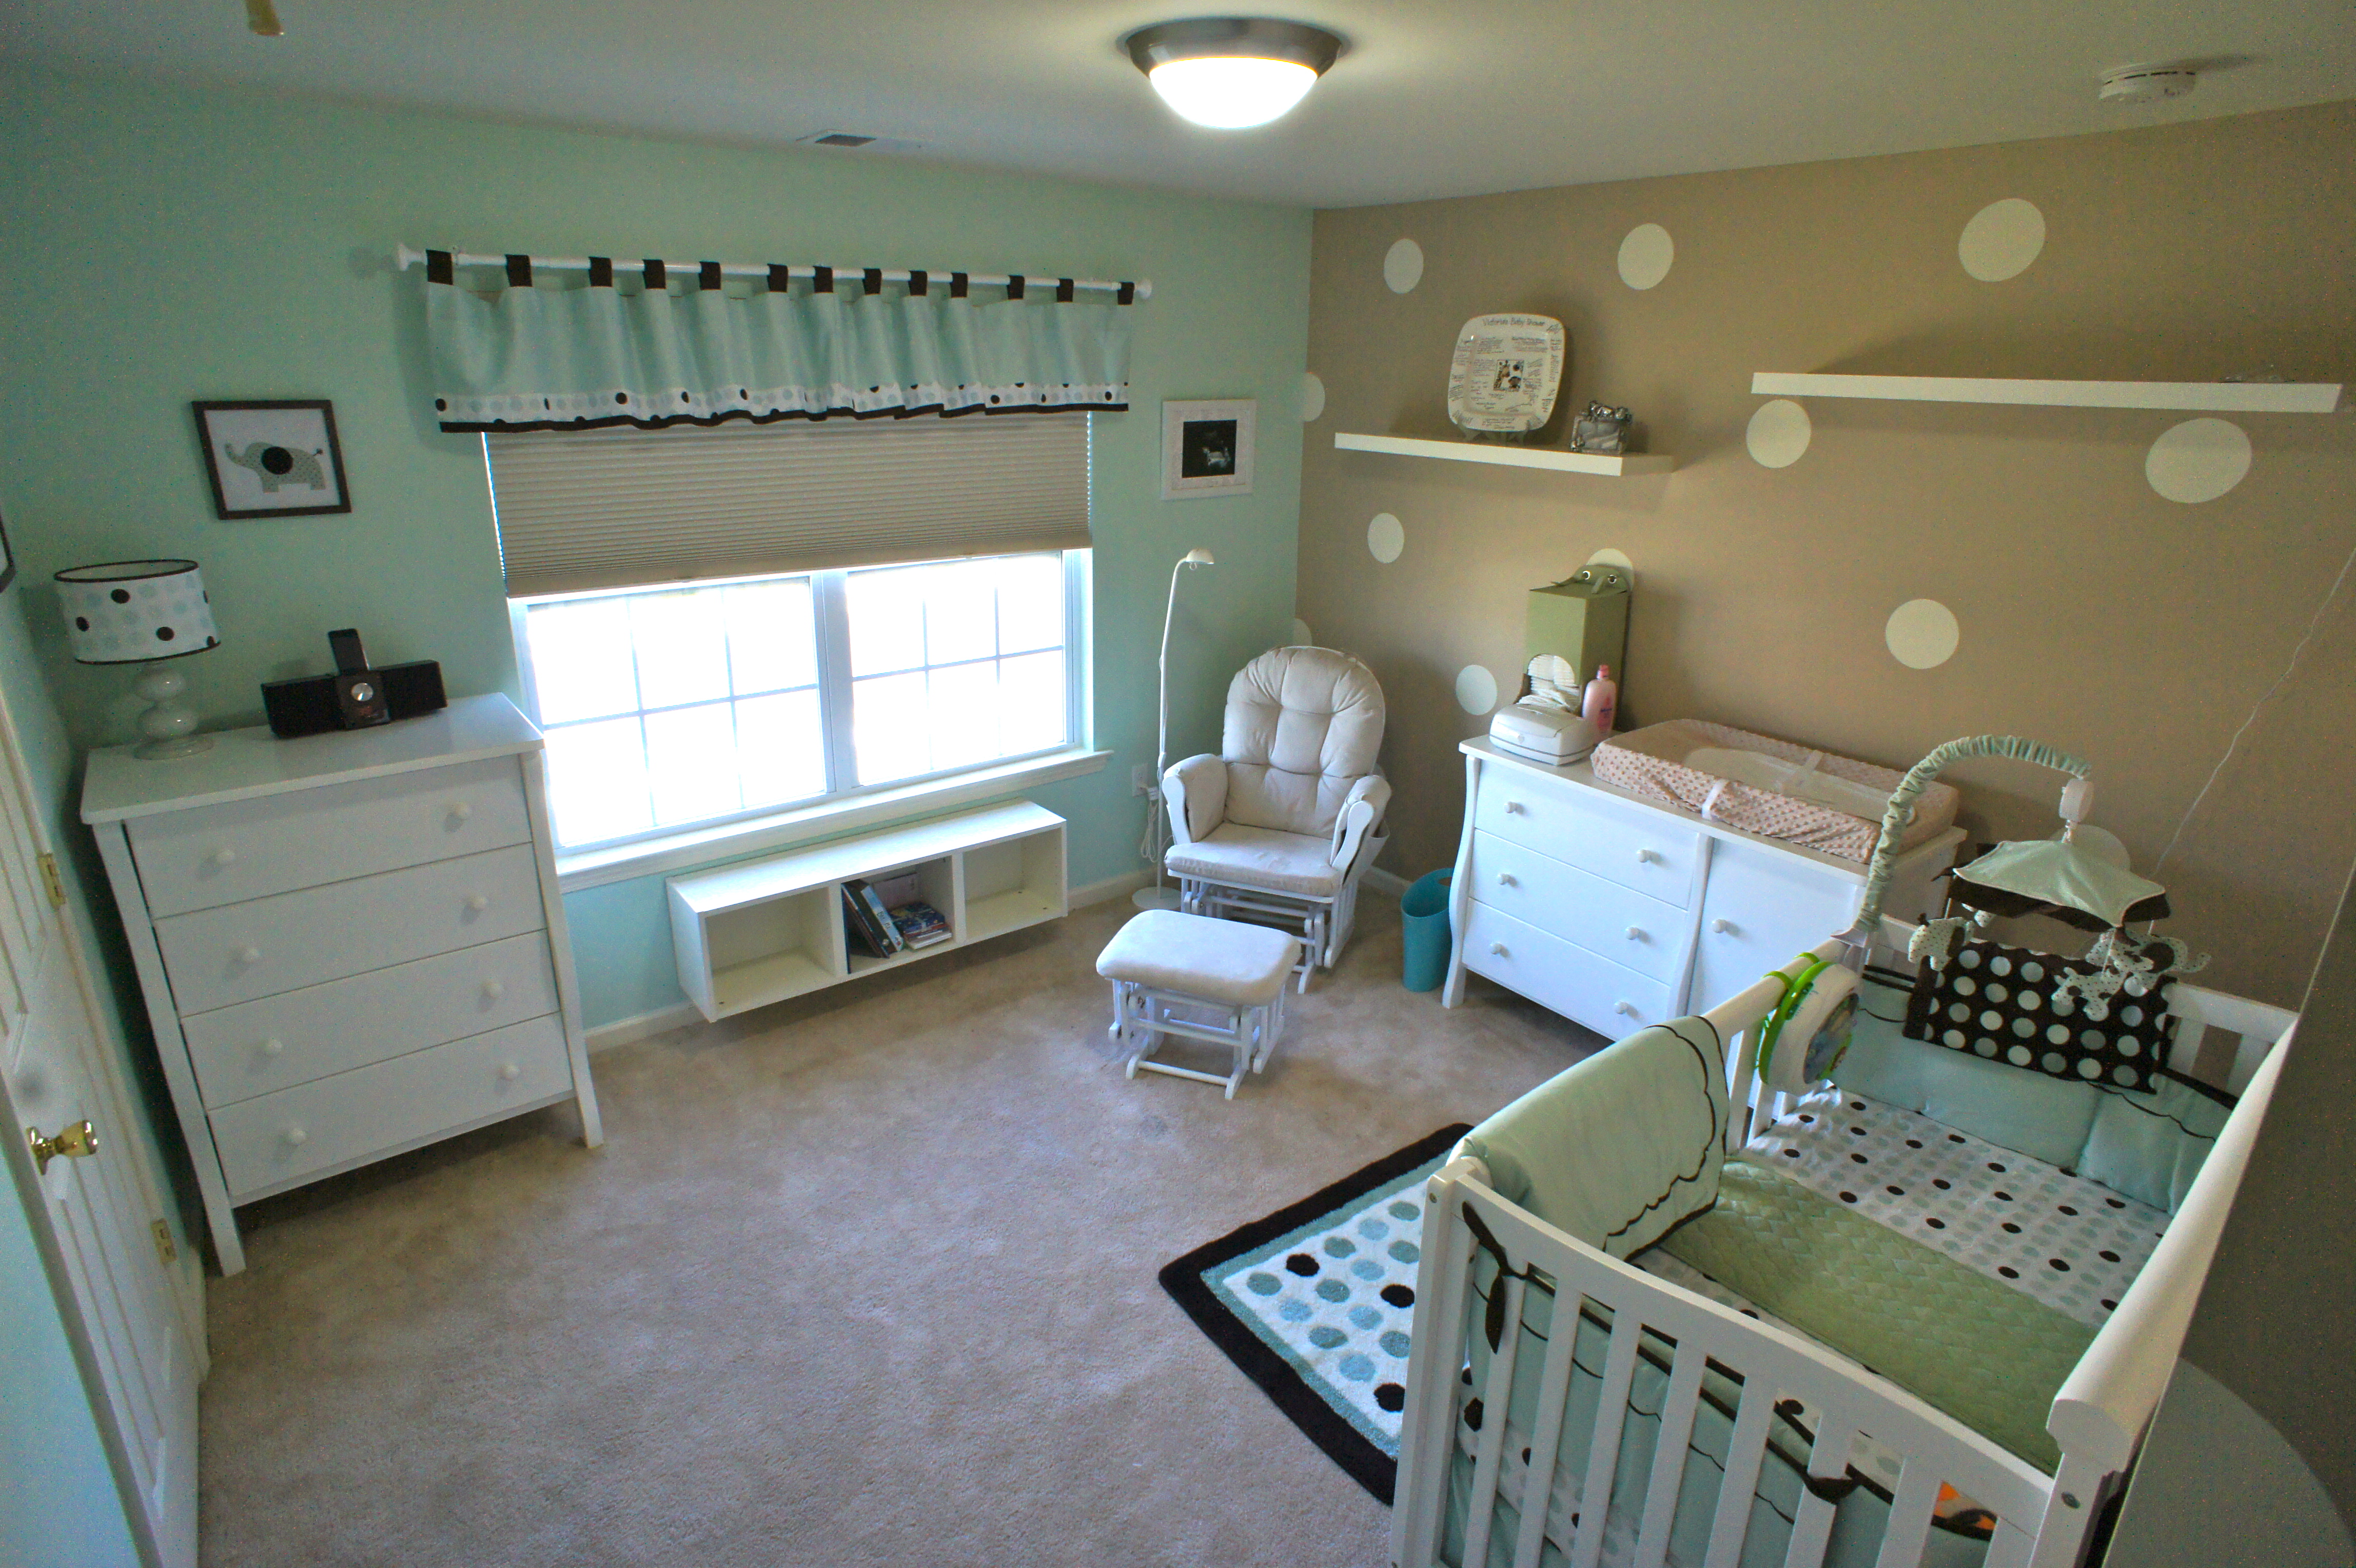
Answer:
(1224, 961)
(1303, 726)
(1260, 857)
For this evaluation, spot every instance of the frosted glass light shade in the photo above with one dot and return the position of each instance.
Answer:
(1232, 94)
(133, 612)
(1230, 73)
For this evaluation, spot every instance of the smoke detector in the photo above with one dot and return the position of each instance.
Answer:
(2147, 83)
(858, 139)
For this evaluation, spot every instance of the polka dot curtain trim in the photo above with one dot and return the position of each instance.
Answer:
(1998, 1003)
(1315, 1302)
(642, 346)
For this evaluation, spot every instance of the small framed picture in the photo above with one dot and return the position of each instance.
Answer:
(273, 459)
(1206, 449)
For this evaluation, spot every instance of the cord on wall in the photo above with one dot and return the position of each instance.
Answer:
(2313, 622)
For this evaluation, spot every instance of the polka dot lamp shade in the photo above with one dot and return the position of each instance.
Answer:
(135, 612)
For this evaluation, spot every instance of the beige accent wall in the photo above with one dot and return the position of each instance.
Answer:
(2095, 614)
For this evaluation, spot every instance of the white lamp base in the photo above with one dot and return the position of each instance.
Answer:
(170, 726)
(1155, 898)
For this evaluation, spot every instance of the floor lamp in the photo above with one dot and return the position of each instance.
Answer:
(1157, 819)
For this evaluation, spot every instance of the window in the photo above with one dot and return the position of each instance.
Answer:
(666, 707)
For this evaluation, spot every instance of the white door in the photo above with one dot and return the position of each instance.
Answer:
(131, 1308)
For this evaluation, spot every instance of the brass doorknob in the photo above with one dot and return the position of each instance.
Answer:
(75, 1142)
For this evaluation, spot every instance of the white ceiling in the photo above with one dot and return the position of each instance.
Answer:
(1432, 99)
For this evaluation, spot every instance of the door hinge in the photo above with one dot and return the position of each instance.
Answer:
(167, 1251)
(52, 881)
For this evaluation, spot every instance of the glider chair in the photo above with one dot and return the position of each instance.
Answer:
(1281, 826)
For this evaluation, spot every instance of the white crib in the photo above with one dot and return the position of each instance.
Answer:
(2042, 1521)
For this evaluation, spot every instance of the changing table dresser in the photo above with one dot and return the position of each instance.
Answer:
(351, 944)
(1617, 912)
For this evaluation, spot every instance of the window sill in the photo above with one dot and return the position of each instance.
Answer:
(828, 818)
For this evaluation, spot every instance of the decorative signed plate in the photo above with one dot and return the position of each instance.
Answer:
(1506, 372)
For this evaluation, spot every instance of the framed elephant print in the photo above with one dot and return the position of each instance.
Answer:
(273, 459)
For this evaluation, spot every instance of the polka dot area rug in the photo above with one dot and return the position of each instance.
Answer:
(1314, 1304)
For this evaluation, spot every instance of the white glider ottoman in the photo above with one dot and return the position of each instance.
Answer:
(1198, 979)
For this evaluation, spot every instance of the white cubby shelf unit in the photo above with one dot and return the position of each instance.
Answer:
(764, 930)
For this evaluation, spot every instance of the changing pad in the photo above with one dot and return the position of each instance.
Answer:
(1766, 786)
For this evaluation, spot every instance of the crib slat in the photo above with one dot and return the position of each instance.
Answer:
(1909, 1515)
(1428, 1434)
(2010, 1548)
(1546, 1443)
(1669, 1456)
(2184, 1051)
(1496, 1398)
(1604, 1451)
(1745, 1451)
(1812, 1521)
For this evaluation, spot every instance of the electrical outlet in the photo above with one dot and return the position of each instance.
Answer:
(1140, 778)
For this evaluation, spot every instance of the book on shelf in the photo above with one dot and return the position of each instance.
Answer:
(866, 922)
(920, 925)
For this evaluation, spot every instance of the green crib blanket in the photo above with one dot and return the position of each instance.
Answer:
(1968, 1345)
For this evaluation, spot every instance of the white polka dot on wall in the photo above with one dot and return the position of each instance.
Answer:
(1476, 688)
(2198, 460)
(1610, 558)
(2001, 240)
(1403, 265)
(1301, 635)
(1385, 538)
(1778, 434)
(1647, 256)
(1922, 634)
(1313, 396)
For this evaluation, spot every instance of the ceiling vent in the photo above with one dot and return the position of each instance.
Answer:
(857, 139)
(2147, 83)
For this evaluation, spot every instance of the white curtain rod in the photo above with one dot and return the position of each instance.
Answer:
(409, 256)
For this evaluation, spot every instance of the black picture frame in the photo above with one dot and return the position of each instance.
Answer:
(259, 450)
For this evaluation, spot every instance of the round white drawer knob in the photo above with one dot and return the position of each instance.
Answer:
(477, 903)
(1627, 1007)
(510, 1072)
(274, 1048)
(1647, 856)
(223, 856)
(1505, 879)
(248, 955)
(297, 1137)
(1513, 808)
(495, 989)
(460, 810)
(1499, 949)
(1725, 928)
(1635, 934)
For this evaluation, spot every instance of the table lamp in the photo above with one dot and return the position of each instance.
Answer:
(144, 612)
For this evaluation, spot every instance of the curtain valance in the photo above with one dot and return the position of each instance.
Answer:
(650, 346)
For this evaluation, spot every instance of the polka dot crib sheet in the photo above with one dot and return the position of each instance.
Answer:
(2071, 1243)
(1336, 1300)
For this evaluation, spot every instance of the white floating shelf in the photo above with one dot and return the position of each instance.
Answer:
(1506, 456)
(2190, 397)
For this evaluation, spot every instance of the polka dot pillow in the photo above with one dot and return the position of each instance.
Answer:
(1998, 1003)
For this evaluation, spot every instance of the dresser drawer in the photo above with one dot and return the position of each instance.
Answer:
(1607, 998)
(1617, 923)
(213, 856)
(280, 1139)
(1764, 907)
(1648, 851)
(217, 957)
(255, 1047)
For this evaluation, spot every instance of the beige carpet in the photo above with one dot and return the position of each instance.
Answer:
(867, 1279)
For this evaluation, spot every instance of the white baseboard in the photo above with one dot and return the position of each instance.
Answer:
(645, 1026)
(1110, 888)
(1381, 881)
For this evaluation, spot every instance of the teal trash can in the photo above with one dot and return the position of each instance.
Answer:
(1423, 911)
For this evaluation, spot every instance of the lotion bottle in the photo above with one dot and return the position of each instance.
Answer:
(1601, 704)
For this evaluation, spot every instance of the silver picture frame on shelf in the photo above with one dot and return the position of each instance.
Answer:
(1206, 448)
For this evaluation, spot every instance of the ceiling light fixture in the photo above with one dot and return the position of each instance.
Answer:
(2147, 83)
(1230, 73)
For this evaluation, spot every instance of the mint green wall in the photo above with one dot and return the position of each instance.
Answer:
(166, 243)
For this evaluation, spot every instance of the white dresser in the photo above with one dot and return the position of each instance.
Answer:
(1617, 912)
(351, 944)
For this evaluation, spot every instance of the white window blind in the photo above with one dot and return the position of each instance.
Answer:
(625, 507)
